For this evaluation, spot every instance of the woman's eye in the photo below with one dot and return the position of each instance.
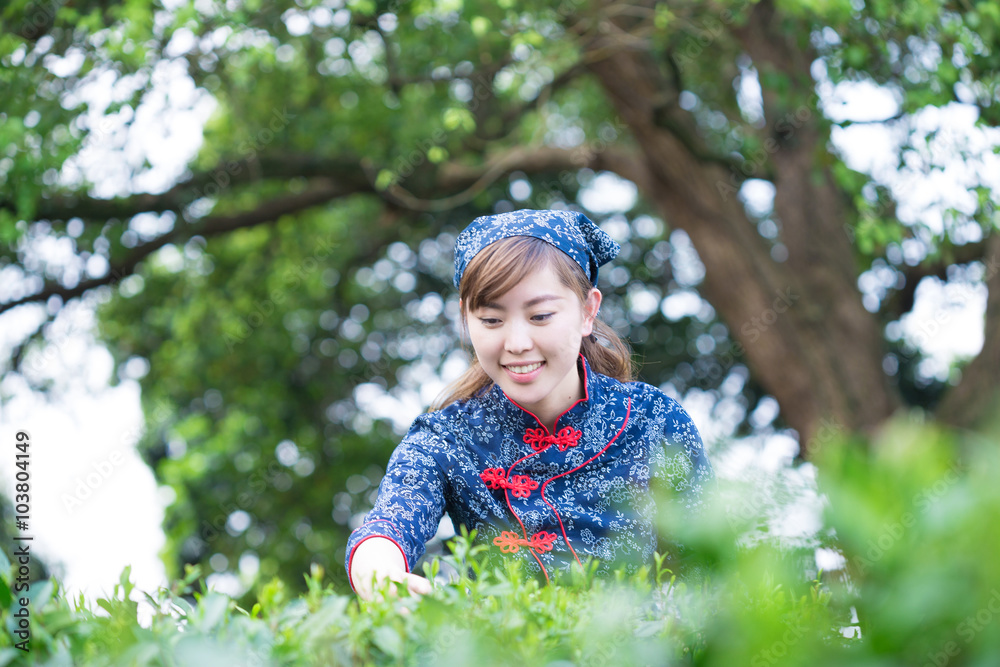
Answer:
(489, 321)
(541, 317)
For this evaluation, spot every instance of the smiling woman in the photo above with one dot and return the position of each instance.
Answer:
(527, 341)
(545, 447)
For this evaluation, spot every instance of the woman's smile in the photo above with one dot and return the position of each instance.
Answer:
(524, 372)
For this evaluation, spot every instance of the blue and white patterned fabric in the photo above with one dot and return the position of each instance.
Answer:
(571, 232)
(550, 499)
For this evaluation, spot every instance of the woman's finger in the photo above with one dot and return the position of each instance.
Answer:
(418, 585)
(414, 583)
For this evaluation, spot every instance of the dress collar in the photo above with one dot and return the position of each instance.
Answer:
(496, 399)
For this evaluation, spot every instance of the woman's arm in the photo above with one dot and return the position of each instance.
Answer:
(377, 559)
(407, 512)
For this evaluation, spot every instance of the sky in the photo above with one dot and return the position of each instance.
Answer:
(96, 507)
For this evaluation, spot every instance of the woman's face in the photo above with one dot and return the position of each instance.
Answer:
(528, 342)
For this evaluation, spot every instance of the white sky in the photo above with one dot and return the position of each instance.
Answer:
(95, 505)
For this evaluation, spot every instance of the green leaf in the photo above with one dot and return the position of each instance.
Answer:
(455, 118)
(388, 640)
(41, 593)
(213, 608)
(480, 26)
(384, 179)
(363, 7)
(5, 595)
(9, 655)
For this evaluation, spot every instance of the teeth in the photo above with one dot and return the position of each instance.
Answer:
(525, 369)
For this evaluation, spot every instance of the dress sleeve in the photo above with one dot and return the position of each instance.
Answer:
(680, 469)
(682, 478)
(411, 500)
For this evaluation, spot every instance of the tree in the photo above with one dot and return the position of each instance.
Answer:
(286, 293)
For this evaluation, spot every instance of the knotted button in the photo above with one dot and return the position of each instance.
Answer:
(566, 437)
(520, 485)
(510, 542)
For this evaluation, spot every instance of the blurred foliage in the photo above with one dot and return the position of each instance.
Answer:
(276, 360)
(914, 518)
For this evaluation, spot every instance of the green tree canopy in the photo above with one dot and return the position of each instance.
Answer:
(285, 298)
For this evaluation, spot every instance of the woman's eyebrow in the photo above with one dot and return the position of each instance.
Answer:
(527, 304)
(541, 299)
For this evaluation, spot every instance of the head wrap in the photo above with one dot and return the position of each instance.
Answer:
(573, 233)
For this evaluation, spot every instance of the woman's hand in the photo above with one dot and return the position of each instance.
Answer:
(378, 558)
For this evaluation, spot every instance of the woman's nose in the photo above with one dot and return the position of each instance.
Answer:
(518, 338)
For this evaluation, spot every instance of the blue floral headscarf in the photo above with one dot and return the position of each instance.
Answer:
(573, 233)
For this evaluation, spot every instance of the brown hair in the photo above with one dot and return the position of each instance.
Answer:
(495, 271)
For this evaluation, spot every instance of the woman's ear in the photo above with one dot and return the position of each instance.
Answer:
(590, 308)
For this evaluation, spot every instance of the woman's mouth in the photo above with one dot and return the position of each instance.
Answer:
(524, 372)
(527, 368)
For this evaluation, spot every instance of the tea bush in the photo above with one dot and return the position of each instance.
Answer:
(913, 511)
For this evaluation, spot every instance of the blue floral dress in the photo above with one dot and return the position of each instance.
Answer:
(550, 499)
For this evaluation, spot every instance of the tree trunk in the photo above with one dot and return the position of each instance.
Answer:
(805, 333)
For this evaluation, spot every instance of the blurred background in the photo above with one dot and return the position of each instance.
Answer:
(227, 231)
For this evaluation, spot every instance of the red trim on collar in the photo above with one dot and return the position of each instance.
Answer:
(628, 411)
(586, 397)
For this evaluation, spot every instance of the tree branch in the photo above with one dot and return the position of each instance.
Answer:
(899, 115)
(464, 180)
(511, 116)
(661, 107)
(212, 226)
(662, 118)
(474, 180)
(250, 168)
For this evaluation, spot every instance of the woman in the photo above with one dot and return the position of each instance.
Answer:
(545, 445)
